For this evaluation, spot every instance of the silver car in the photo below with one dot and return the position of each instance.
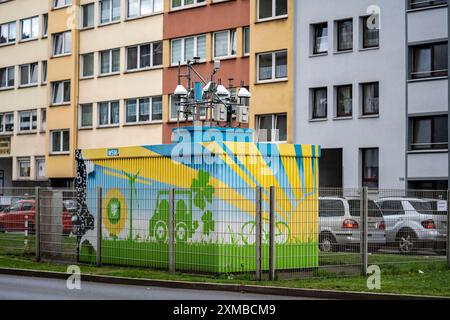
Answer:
(413, 223)
(339, 220)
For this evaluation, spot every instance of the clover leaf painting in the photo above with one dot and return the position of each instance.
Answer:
(203, 194)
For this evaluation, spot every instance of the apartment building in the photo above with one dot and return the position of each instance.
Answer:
(212, 30)
(23, 92)
(272, 69)
(371, 88)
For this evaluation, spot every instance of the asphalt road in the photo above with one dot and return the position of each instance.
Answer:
(31, 288)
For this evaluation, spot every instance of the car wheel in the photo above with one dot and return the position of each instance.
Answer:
(181, 232)
(160, 231)
(406, 240)
(327, 243)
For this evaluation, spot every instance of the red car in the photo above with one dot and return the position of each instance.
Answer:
(13, 218)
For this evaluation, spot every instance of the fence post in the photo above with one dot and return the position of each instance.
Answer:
(258, 233)
(364, 230)
(37, 223)
(448, 228)
(171, 229)
(99, 226)
(272, 258)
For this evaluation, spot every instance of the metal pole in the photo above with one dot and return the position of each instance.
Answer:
(258, 233)
(172, 230)
(364, 230)
(37, 223)
(99, 226)
(272, 235)
(448, 228)
(448, 96)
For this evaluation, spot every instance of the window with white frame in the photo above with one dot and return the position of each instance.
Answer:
(109, 61)
(7, 122)
(175, 108)
(24, 167)
(29, 28)
(27, 120)
(7, 76)
(44, 72)
(136, 8)
(59, 141)
(86, 115)
(224, 44)
(88, 15)
(320, 41)
(272, 66)
(144, 56)
(177, 4)
(143, 110)
(43, 120)
(28, 74)
(40, 168)
(8, 33)
(61, 3)
(62, 43)
(271, 9)
(108, 113)
(271, 127)
(184, 49)
(246, 45)
(319, 103)
(109, 11)
(60, 92)
(87, 65)
(45, 25)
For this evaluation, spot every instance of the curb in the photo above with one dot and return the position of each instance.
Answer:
(254, 289)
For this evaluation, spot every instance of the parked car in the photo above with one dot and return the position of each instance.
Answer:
(339, 221)
(413, 223)
(13, 218)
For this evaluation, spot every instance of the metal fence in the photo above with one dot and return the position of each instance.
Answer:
(262, 232)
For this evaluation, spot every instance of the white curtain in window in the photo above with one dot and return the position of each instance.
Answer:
(133, 8)
(176, 51)
(67, 42)
(33, 73)
(131, 111)
(189, 49)
(221, 44)
(201, 47)
(144, 109)
(146, 7)
(114, 112)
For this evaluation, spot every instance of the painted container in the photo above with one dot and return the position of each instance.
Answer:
(215, 173)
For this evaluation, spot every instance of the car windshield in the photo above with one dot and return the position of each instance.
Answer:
(355, 204)
(426, 207)
(70, 204)
(14, 207)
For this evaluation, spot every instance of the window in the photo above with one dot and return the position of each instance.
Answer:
(43, 119)
(144, 56)
(331, 208)
(143, 110)
(136, 8)
(109, 61)
(370, 167)
(429, 60)
(60, 92)
(7, 77)
(225, 44)
(59, 141)
(24, 166)
(8, 33)
(371, 34)
(320, 103)
(108, 113)
(27, 120)
(86, 115)
(185, 3)
(87, 65)
(88, 15)
(417, 4)
(344, 101)
(320, 32)
(392, 208)
(29, 28)
(40, 168)
(45, 25)
(428, 133)
(345, 35)
(7, 122)
(44, 72)
(272, 66)
(61, 3)
(62, 43)
(271, 127)
(28, 74)
(109, 11)
(269, 9)
(370, 98)
(186, 49)
(246, 46)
